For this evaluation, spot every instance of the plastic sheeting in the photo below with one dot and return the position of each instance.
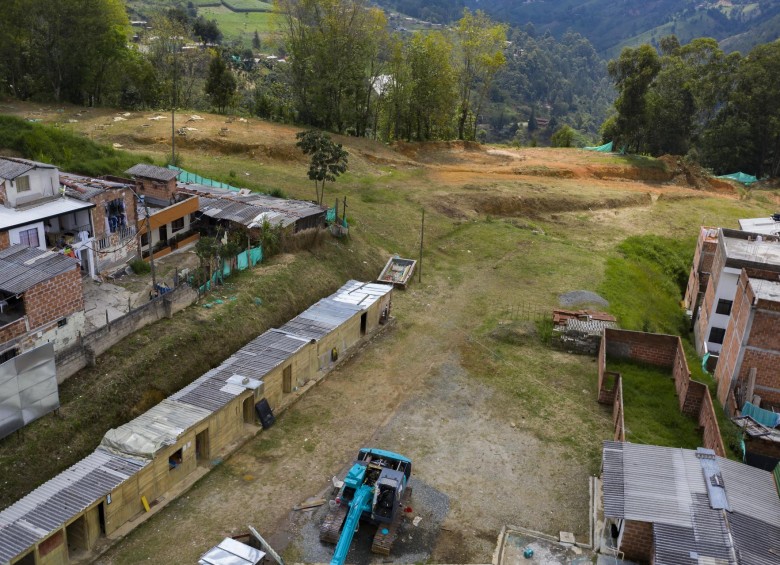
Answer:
(744, 178)
(606, 148)
(763, 417)
(188, 177)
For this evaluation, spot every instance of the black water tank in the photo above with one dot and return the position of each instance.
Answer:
(776, 217)
(264, 412)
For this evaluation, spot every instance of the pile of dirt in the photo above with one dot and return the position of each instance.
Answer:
(692, 175)
(498, 204)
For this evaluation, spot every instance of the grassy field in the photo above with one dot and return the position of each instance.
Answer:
(241, 26)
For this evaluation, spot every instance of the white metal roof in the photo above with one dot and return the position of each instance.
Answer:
(231, 552)
(11, 218)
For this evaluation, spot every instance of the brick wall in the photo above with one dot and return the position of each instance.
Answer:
(12, 330)
(752, 342)
(5, 240)
(55, 298)
(662, 351)
(99, 211)
(700, 269)
(618, 419)
(636, 543)
(156, 189)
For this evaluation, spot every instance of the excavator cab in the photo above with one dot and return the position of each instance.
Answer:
(387, 495)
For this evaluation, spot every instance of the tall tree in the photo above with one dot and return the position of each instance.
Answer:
(333, 48)
(481, 43)
(633, 72)
(327, 160)
(433, 79)
(220, 84)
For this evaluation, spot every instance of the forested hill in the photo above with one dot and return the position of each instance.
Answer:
(610, 25)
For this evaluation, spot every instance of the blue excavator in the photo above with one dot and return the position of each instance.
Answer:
(374, 490)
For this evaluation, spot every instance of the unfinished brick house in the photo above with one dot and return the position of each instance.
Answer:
(700, 272)
(749, 363)
(41, 300)
(114, 218)
(735, 250)
(667, 506)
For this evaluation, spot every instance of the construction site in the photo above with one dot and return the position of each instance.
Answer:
(449, 376)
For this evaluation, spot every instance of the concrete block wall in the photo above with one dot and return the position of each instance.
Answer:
(75, 358)
(636, 541)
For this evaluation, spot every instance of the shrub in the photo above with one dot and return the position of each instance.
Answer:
(140, 267)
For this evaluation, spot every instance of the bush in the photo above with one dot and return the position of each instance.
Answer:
(140, 267)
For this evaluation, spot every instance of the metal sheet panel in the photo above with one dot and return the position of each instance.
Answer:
(231, 552)
(28, 388)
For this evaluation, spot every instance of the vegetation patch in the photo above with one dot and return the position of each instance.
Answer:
(652, 414)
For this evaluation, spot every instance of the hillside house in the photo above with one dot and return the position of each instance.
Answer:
(34, 212)
(41, 300)
(248, 210)
(735, 250)
(172, 444)
(668, 506)
(156, 183)
(749, 361)
(113, 217)
(769, 225)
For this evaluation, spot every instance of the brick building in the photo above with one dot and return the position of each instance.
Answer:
(735, 250)
(700, 272)
(749, 362)
(156, 183)
(665, 505)
(114, 217)
(41, 300)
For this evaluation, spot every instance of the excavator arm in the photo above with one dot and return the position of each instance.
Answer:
(362, 495)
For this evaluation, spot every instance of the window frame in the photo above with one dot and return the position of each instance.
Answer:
(25, 234)
(713, 339)
(722, 302)
(22, 183)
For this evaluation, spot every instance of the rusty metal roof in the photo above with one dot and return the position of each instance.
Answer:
(21, 267)
(50, 506)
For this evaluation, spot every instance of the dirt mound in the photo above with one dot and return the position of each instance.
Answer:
(692, 175)
(543, 171)
(513, 205)
(645, 174)
(440, 152)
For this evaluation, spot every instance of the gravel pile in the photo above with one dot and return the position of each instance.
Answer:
(580, 297)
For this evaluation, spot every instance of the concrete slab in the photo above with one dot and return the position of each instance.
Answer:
(105, 299)
(514, 543)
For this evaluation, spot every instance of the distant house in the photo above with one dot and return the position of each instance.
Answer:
(672, 506)
(41, 300)
(735, 250)
(34, 212)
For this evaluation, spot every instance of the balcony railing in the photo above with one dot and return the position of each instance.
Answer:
(119, 237)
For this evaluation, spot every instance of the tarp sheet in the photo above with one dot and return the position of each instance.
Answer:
(763, 417)
(188, 177)
(606, 148)
(744, 178)
(243, 261)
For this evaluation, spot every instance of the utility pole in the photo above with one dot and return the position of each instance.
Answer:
(422, 231)
(173, 107)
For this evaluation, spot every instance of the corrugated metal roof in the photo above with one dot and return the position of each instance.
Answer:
(666, 486)
(12, 167)
(86, 188)
(48, 507)
(23, 267)
(152, 172)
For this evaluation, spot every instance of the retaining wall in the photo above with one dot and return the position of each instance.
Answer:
(89, 346)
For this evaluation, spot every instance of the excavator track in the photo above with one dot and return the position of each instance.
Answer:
(330, 530)
(383, 542)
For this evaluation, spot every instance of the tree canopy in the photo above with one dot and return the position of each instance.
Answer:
(327, 160)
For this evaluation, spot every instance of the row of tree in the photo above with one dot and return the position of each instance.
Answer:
(349, 74)
(723, 110)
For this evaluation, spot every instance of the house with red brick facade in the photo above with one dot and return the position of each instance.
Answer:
(35, 212)
(735, 250)
(670, 506)
(700, 272)
(748, 367)
(41, 300)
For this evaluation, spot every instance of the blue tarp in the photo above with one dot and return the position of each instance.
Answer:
(606, 148)
(744, 178)
(763, 417)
